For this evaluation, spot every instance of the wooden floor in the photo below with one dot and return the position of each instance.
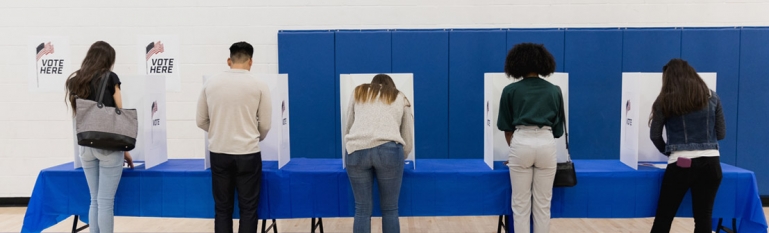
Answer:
(11, 220)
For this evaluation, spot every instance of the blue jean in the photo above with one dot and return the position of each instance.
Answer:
(103, 169)
(386, 163)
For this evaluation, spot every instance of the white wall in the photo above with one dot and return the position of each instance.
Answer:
(35, 128)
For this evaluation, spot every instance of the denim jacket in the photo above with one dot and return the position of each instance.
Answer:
(698, 130)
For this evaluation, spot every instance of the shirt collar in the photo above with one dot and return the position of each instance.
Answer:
(240, 71)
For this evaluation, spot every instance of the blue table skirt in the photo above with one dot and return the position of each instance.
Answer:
(308, 188)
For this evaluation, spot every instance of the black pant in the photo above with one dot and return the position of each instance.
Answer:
(241, 172)
(703, 177)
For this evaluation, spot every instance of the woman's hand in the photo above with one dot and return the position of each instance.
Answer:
(128, 160)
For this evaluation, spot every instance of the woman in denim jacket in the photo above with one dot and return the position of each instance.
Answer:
(694, 120)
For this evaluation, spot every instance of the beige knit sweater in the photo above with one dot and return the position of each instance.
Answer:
(375, 123)
(235, 109)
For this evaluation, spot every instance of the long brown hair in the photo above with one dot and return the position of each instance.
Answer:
(381, 87)
(98, 60)
(683, 90)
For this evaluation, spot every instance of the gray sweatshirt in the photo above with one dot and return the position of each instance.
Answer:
(375, 123)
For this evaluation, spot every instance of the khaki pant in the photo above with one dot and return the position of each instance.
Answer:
(532, 166)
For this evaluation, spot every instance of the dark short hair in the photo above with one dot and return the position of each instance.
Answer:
(528, 58)
(241, 51)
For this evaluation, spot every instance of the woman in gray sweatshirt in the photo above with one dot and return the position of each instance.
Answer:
(378, 135)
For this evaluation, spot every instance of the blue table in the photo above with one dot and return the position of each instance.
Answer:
(316, 188)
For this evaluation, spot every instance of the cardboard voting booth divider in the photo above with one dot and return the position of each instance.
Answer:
(146, 94)
(347, 84)
(639, 90)
(495, 146)
(276, 146)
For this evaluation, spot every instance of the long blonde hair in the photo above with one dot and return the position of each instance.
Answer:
(381, 87)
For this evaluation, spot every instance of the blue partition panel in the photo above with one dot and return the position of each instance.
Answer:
(471, 54)
(752, 144)
(449, 67)
(718, 50)
(594, 63)
(358, 52)
(308, 59)
(551, 38)
(647, 50)
(426, 54)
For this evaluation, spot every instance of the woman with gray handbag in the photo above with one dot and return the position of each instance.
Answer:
(104, 131)
(533, 109)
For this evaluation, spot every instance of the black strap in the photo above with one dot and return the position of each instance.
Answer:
(100, 93)
(562, 112)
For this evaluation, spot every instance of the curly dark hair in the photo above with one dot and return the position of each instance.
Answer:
(526, 58)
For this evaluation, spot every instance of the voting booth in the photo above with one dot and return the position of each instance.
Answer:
(495, 146)
(146, 94)
(276, 146)
(404, 82)
(639, 91)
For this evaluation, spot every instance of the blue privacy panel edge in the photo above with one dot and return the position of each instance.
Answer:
(426, 54)
(593, 59)
(551, 38)
(358, 52)
(647, 50)
(754, 105)
(308, 59)
(718, 50)
(471, 54)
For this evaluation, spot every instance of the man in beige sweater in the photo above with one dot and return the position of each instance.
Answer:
(234, 108)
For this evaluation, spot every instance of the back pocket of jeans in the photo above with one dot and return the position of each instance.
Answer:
(391, 155)
(352, 160)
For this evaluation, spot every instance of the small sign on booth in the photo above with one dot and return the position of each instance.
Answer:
(277, 145)
(495, 146)
(404, 82)
(639, 90)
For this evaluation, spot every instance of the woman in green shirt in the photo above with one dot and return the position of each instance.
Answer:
(530, 108)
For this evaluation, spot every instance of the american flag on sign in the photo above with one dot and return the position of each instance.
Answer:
(154, 48)
(44, 49)
(154, 109)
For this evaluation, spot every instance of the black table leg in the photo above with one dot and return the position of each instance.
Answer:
(318, 225)
(502, 224)
(75, 229)
(726, 229)
(273, 226)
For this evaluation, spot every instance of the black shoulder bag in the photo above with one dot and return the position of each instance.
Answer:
(565, 175)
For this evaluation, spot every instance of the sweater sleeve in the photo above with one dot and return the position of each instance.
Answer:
(350, 113)
(202, 119)
(407, 129)
(655, 132)
(264, 112)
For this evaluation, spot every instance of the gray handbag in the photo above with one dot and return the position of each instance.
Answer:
(103, 127)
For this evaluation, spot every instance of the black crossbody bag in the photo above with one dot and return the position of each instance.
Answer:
(565, 175)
